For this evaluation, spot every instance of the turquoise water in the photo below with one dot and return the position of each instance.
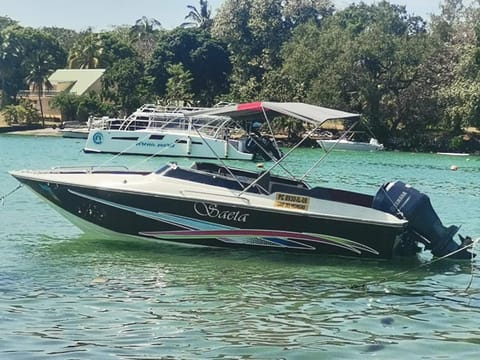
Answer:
(66, 295)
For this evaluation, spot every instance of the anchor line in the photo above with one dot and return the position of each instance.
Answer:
(379, 281)
(3, 197)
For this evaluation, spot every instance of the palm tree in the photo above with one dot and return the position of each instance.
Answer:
(144, 35)
(198, 18)
(39, 67)
(86, 53)
(145, 28)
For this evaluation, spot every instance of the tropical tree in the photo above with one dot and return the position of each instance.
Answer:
(368, 59)
(144, 35)
(23, 113)
(456, 64)
(145, 28)
(5, 22)
(255, 31)
(42, 55)
(205, 58)
(199, 18)
(79, 107)
(67, 104)
(11, 78)
(123, 84)
(65, 37)
(179, 85)
(91, 104)
(86, 52)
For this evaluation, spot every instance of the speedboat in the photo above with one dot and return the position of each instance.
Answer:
(213, 204)
(175, 132)
(345, 144)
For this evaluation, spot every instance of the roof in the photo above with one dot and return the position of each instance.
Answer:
(258, 110)
(81, 79)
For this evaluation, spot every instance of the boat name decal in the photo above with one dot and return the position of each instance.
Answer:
(212, 211)
(151, 144)
(290, 201)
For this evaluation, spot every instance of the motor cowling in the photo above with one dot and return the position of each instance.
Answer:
(263, 147)
(404, 201)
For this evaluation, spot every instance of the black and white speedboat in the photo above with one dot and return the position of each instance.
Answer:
(212, 204)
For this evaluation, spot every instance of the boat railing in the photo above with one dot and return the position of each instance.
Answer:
(214, 127)
(121, 169)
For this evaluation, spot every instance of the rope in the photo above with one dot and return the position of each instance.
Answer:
(377, 282)
(3, 197)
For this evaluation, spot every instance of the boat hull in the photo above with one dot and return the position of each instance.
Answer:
(220, 224)
(181, 144)
(71, 133)
(349, 145)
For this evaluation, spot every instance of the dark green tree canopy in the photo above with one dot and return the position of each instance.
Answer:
(202, 56)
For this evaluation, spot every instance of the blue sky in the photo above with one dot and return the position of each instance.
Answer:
(103, 14)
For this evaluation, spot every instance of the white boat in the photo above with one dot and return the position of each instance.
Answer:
(453, 154)
(213, 204)
(345, 144)
(75, 133)
(173, 132)
(74, 129)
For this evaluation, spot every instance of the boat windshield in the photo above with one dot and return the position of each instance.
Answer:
(163, 169)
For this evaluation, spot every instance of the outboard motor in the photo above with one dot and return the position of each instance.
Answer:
(263, 147)
(403, 201)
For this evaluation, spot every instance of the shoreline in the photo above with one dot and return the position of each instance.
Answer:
(17, 130)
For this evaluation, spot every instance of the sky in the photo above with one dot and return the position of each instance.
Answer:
(104, 14)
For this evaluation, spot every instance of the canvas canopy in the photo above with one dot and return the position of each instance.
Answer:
(256, 111)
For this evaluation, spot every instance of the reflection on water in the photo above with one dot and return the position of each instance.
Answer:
(67, 295)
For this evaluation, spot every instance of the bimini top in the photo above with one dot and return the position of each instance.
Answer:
(257, 110)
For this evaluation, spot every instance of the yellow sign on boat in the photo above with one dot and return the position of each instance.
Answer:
(290, 201)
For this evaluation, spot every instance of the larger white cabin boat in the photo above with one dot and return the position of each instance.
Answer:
(173, 132)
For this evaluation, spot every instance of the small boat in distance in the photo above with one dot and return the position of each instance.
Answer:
(74, 129)
(175, 132)
(345, 144)
(453, 154)
(213, 204)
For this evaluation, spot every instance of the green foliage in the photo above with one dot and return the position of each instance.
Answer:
(409, 80)
(79, 107)
(11, 74)
(179, 85)
(122, 85)
(199, 18)
(67, 104)
(459, 67)
(366, 58)
(144, 35)
(86, 52)
(255, 31)
(66, 37)
(24, 114)
(199, 54)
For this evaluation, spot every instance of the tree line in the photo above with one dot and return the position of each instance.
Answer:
(416, 82)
